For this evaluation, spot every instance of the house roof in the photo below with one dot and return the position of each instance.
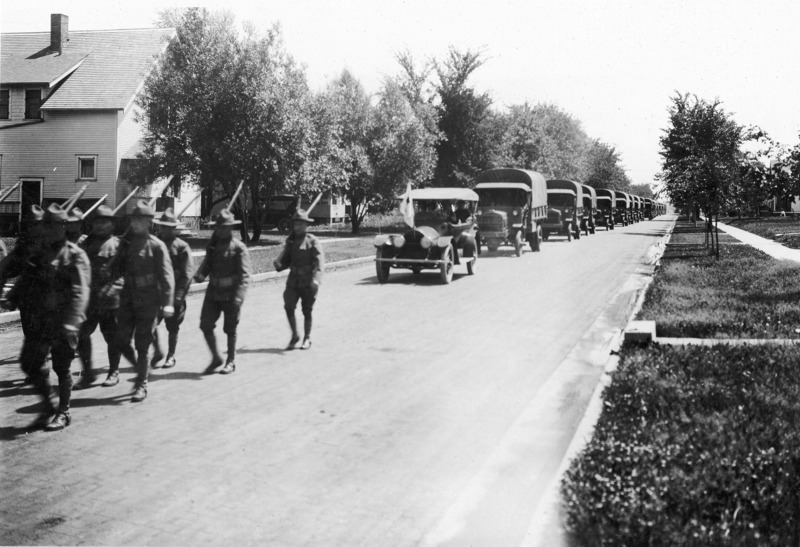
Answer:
(104, 67)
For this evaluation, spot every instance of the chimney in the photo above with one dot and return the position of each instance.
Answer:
(59, 31)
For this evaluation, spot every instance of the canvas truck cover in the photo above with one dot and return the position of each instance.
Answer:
(606, 197)
(444, 194)
(535, 181)
(560, 184)
(589, 192)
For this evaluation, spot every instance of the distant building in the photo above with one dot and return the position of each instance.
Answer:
(67, 112)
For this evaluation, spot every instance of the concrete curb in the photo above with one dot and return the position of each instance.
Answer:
(8, 318)
(540, 531)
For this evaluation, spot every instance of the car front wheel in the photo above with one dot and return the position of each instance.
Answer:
(381, 268)
(446, 267)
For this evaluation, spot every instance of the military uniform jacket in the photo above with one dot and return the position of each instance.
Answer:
(25, 263)
(144, 262)
(66, 274)
(305, 260)
(182, 266)
(105, 288)
(227, 265)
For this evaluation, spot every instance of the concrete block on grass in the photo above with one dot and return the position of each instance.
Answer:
(640, 333)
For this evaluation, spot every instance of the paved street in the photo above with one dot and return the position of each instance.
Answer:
(423, 414)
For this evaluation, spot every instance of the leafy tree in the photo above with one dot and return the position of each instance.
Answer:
(465, 148)
(700, 152)
(603, 169)
(222, 108)
(543, 138)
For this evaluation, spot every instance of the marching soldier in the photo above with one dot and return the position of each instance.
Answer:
(57, 312)
(305, 259)
(24, 258)
(227, 264)
(148, 289)
(75, 225)
(182, 266)
(100, 246)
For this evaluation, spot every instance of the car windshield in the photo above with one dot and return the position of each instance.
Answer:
(502, 197)
(561, 200)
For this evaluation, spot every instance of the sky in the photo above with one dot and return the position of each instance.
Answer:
(613, 64)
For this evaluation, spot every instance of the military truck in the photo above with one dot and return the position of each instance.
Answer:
(622, 214)
(564, 209)
(606, 206)
(589, 207)
(511, 206)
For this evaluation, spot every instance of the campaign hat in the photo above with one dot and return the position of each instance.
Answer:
(226, 218)
(302, 216)
(104, 212)
(168, 218)
(142, 209)
(56, 214)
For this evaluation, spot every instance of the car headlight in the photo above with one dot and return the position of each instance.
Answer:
(425, 243)
(398, 241)
(515, 212)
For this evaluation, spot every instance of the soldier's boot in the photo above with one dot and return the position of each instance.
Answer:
(85, 352)
(293, 325)
(307, 329)
(158, 355)
(216, 358)
(59, 422)
(42, 385)
(142, 371)
(230, 363)
(114, 357)
(172, 344)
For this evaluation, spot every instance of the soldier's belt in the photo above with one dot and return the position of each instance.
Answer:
(222, 282)
(142, 281)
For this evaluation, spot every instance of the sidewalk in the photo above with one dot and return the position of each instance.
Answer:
(772, 248)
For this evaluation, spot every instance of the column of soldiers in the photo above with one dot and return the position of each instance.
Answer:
(125, 285)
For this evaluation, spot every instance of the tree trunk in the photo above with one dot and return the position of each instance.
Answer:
(717, 234)
(256, 213)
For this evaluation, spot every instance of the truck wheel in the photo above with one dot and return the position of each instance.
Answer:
(545, 235)
(492, 246)
(518, 243)
(472, 264)
(536, 240)
(285, 225)
(446, 269)
(577, 232)
(416, 270)
(569, 233)
(381, 268)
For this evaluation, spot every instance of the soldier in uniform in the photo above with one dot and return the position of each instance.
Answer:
(100, 246)
(56, 319)
(24, 258)
(143, 260)
(75, 225)
(227, 264)
(182, 267)
(305, 259)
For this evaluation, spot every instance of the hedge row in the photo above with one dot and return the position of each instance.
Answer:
(695, 446)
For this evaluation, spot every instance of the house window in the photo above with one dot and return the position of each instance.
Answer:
(87, 167)
(33, 100)
(4, 104)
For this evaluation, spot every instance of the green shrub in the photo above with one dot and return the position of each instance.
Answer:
(695, 446)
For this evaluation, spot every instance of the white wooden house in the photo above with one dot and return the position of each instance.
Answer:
(67, 112)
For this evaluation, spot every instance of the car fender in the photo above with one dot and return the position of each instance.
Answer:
(444, 241)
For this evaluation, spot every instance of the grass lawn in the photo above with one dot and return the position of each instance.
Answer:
(784, 230)
(744, 294)
(695, 446)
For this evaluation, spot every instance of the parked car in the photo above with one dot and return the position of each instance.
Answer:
(565, 208)
(511, 206)
(437, 240)
(589, 207)
(606, 207)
